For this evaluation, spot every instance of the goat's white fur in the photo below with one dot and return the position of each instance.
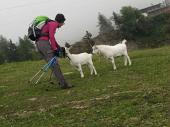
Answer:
(113, 51)
(77, 60)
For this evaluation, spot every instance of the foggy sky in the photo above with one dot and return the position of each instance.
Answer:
(81, 15)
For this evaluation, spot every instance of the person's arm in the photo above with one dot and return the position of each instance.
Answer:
(52, 30)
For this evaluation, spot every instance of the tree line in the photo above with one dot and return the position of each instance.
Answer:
(130, 23)
(21, 51)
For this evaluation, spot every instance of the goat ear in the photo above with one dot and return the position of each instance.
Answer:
(67, 45)
(68, 48)
(124, 41)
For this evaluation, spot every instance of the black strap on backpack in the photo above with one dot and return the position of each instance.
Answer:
(35, 33)
(45, 34)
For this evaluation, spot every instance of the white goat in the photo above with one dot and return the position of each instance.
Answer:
(76, 60)
(113, 51)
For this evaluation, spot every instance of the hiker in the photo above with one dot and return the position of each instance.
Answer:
(48, 47)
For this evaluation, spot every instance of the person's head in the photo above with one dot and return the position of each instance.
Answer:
(60, 19)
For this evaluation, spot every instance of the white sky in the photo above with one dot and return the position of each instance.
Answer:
(81, 15)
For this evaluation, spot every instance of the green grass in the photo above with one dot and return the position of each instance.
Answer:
(135, 96)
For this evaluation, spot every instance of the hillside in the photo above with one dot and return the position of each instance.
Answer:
(128, 97)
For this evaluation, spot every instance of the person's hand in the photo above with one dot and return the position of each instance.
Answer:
(63, 52)
(57, 52)
(60, 52)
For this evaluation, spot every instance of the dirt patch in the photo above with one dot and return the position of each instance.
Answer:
(32, 99)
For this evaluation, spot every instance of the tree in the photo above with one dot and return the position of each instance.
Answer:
(12, 52)
(117, 20)
(130, 18)
(149, 31)
(3, 49)
(105, 25)
(128, 21)
(25, 49)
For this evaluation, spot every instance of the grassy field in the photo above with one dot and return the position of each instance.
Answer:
(135, 96)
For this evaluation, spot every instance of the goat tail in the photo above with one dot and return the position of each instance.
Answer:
(124, 41)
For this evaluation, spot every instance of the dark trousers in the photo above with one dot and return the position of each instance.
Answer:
(47, 53)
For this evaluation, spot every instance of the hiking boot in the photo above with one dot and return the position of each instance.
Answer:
(66, 86)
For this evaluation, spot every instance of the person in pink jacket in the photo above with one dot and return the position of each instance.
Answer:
(48, 47)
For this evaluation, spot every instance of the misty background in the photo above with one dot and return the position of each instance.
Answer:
(80, 15)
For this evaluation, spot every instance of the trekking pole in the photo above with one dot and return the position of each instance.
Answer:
(52, 62)
(42, 71)
(51, 75)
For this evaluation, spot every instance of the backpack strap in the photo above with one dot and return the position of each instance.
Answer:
(47, 21)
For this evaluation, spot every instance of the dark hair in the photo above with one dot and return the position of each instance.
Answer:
(60, 18)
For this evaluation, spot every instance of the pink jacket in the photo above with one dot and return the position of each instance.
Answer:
(50, 28)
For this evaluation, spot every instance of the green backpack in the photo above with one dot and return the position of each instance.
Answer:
(34, 30)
